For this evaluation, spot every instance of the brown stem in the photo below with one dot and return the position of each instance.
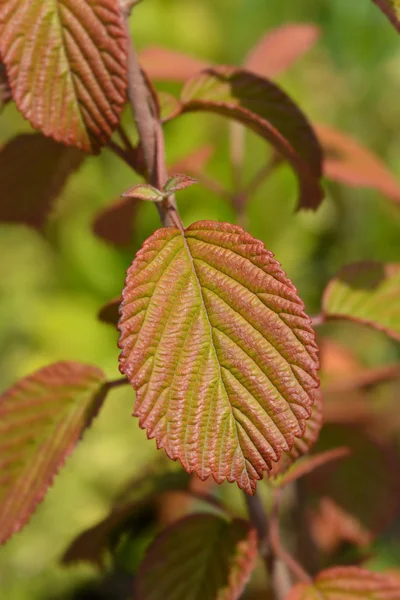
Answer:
(125, 138)
(114, 383)
(277, 547)
(259, 520)
(121, 153)
(388, 11)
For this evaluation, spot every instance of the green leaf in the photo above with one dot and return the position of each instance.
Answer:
(217, 345)
(350, 583)
(144, 191)
(66, 65)
(33, 171)
(366, 292)
(266, 109)
(200, 556)
(178, 182)
(42, 418)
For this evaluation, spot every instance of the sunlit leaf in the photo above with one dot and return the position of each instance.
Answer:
(347, 161)
(144, 191)
(33, 171)
(42, 418)
(115, 223)
(366, 292)
(216, 343)
(169, 65)
(66, 64)
(352, 583)
(280, 48)
(391, 8)
(200, 556)
(263, 107)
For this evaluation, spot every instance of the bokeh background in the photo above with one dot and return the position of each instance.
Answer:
(53, 285)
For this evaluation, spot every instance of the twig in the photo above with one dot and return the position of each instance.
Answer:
(259, 520)
(115, 383)
(121, 152)
(125, 138)
(388, 11)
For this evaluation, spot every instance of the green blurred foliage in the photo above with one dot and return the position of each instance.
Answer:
(52, 285)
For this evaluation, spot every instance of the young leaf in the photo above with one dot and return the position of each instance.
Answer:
(178, 182)
(366, 292)
(391, 8)
(66, 64)
(33, 171)
(115, 223)
(280, 48)
(347, 161)
(263, 107)
(169, 65)
(200, 556)
(144, 191)
(42, 418)
(352, 583)
(217, 345)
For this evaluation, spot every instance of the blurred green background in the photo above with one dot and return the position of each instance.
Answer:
(53, 285)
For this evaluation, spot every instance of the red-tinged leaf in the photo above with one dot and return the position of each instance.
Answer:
(33, 171)
(366, 292)
(135, 505)
(178, 182)
(115, 224)
(307, 464)
(200, 556)
(347, 161)
(144, 191)
(194, 162)
(350, 583)
(217, 345)
(109, 311)
(170, 107)
(391, 8)
(169, 65)
(66, 64)
(280, 48)
(42, 418)
(266, 109)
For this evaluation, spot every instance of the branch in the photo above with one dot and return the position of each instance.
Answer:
(388, 11)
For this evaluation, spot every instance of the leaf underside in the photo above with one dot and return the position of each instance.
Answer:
(216, 343)
(350, 583)
(66, 66)
(41, 419)
(200, 556)
(268, 111)
(366, 292)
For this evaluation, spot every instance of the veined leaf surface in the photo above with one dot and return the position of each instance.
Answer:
(41, 419)
(217, 345)
(66, 66)
(268, 111)
(352, 583)
(366, 292)
(200, 556)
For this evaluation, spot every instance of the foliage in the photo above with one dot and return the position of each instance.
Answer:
(216, 344)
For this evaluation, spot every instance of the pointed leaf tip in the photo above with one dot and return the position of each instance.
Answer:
(216, 343)
(143, 191)
(42, 417)
(178, 182)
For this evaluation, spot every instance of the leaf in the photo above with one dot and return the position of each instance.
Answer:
(170, 107)
(391, 8)
(366, 292)
(348, 162)
(200, 556)
(217, 345)
(115, 223)
(33, 171)
(42, 418)
(129, 511)
(144, 191)
(178, 182)
(267, 110)
(109, 311)
(352, 583)
(169, 65)
(66, 64)
(280, 48)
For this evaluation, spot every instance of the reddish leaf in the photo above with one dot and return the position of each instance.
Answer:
(178, 182)
(66, 64)
(352, 583)
(200, 556)
(366, 292)
(216, 343)
(280, 48)
(194, 162)
(391, 8)
(115, 223)
(169, 65)
(109, 312)
(42, 418)
(33, 171)
(263, 107)
(347, 161)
